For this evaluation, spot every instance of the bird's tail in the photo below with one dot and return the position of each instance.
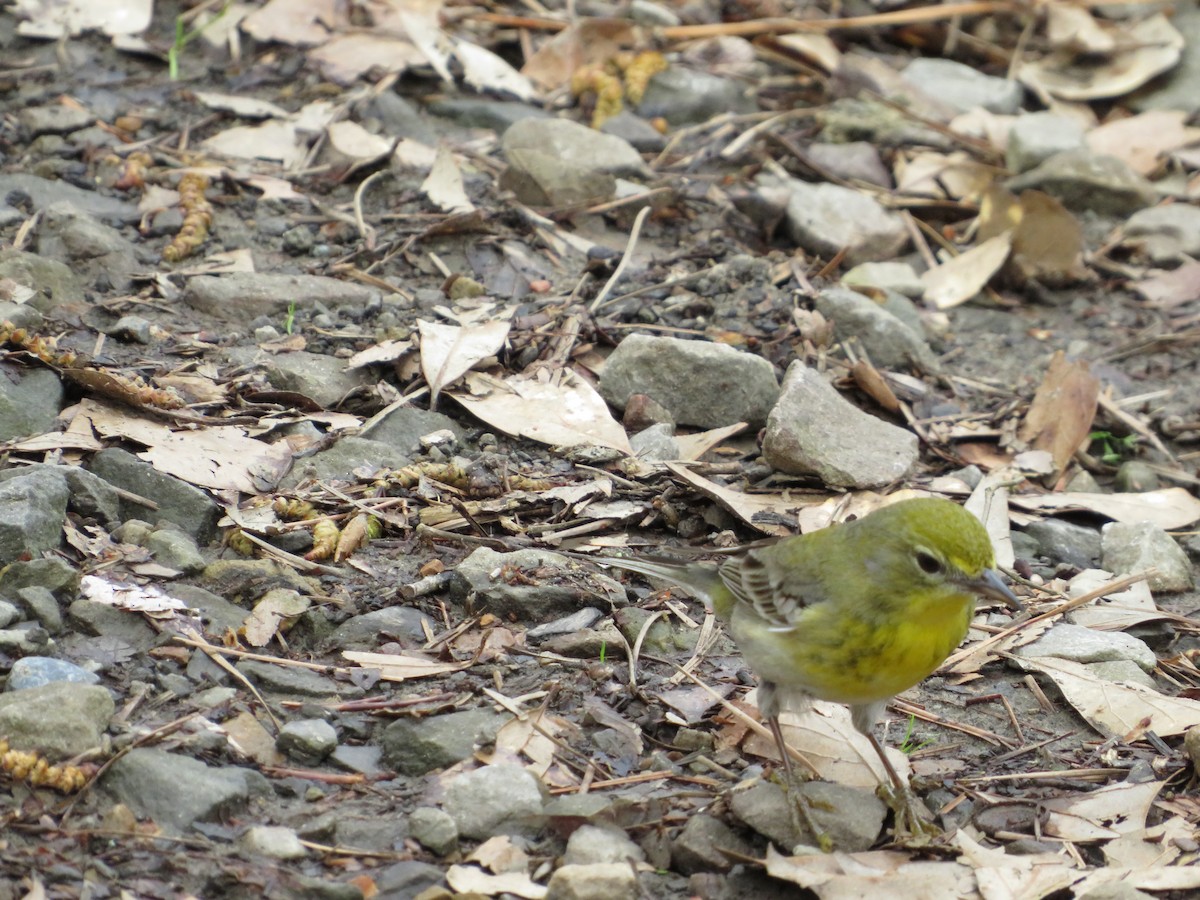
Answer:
(699, 578)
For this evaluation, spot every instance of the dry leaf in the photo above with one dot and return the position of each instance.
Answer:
(468, 880)
(444, 185)
(222, 457)
(958, 280)
(1102, 814)
(1115, 709)
(485, 71)
(1148, 48)
(565, 413)
(1166, 290)
(403, 666)
(1143, 140)
(449, 351)
(1063, 409)
(1048, 243)
(276, 608)
(1168, 508)
(773, 514)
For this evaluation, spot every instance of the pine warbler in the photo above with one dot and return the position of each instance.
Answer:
(853, 613)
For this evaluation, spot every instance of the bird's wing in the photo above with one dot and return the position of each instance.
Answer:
(778, 587)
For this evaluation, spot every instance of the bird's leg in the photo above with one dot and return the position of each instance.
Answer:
(913, 818)
(802, 819)
(798, 809)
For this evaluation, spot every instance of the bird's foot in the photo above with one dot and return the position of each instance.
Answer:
(914, 826)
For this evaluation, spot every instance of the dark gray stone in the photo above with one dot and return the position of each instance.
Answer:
(179, 502)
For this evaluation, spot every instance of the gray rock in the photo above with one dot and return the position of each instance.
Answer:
(559, 162)
(584, 618)
(59, 720)
(1085, 181)
(217, 613)
(1135, 547)
(176, 550)
(1176, 89)
(407, 880)
(294, 682)
(1087, 645)
(435, 829)
(371, 832)
(339, 462)
(307, 741)
(700, 846)
(178, 502)
(1135, 476)
(371, 629)
(541, 596)
(699, 383)
(54, 574)
(1035, 137)
(54, 118)
(685, 96)
(825, 218)
(852, 119)
(9, 612)
(366, 760)
(33, 508)
(91, 248)
(893, 276)
(1066, 542)
(963, 88)
(497, 799)
(595, 881)
(656, 443)
(853, 160)
(323, 379)
(91, 497)
(1166, 234)
(655, 15)
(249, 579)
(850, 818)
(44, 192)
(1122, 671)
(243, 296)
(132, 328)
(401, 118)
(404, 427)
(888, 342)
(273, 841)
(118, 627)
(474, 112)
(177, 791)
(55, 284)
(416, 746)
(814, 430)
(30, 399)
(589, 844)
(24, 640)
(635, 130)
(36, 671)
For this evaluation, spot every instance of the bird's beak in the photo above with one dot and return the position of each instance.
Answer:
(991, 585)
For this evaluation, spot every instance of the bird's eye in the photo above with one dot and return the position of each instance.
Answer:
(929, 563)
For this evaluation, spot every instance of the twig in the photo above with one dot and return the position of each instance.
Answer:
(625, 258)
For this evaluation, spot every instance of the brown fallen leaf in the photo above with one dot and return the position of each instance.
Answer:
(1063, 409)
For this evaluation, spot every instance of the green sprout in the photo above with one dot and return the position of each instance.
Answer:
(290, 322)
(907, 747)
(603, 651)
(1112, 448)
(185, 35)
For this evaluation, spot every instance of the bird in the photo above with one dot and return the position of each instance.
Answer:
(854, 613)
